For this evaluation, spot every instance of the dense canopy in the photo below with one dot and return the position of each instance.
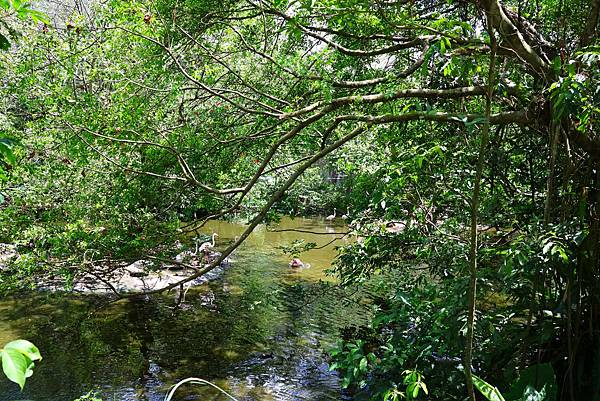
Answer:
(460, 138)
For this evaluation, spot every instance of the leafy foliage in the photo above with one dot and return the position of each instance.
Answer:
(18, 358)
(490, 392)
(143, 116)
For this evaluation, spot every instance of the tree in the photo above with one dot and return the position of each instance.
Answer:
(22, 11)
(211, 101)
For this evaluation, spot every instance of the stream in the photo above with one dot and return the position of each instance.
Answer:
(260, 330)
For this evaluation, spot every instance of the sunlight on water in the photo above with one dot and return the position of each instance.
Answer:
(325, 235)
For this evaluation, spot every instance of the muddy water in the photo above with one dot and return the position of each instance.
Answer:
(258, 331)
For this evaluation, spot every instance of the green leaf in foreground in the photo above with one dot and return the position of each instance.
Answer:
(26, 348)
(6, 152)
(17, 360)
(490, 392)
(15, 366)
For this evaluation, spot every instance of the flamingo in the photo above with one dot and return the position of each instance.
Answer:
(331, 216)
(205, 247)
(345, 216)
(182, 256)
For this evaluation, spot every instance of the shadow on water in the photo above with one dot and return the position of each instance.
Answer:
(258, 331)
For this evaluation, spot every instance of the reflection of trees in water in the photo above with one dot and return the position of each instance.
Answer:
(308, 313)
(141, 312)
(85, 348)
(81, 350)
(253, 306)
(258, 326)
(319, 306)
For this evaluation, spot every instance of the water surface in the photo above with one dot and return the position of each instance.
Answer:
(258, 331)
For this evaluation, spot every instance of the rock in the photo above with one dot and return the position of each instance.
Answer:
(207, 299)
(395, 227)
(8, 252)
(137, 268)
(133, 278)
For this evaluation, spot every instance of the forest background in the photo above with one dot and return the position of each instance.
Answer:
(471, 127)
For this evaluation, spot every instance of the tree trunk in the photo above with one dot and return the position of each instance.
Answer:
(468, 360)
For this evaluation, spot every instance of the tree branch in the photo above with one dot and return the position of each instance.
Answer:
(420, 93)
(263, 212)
(511, 35)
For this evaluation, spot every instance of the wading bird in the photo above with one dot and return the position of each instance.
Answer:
(207, 246)
(331, 216)
(183, 256)
(347, 214)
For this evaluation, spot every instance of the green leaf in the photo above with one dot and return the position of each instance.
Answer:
(38, 16)
(540, 377)
(490, 392)
(29, 371)
(17, 360)
(7, 153)
(15, 366)
(531, 394)
(547, 247)
(424, 387)
(412, 390)
(415, 390)
(363, 364)
(26, 348)
(4, 43)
